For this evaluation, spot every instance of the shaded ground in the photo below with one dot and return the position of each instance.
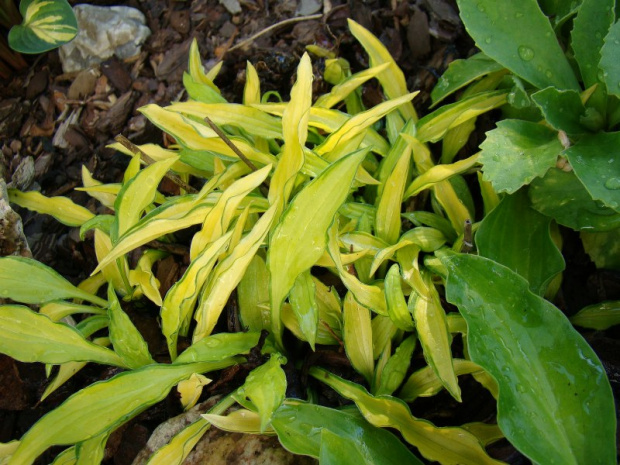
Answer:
(52, 123)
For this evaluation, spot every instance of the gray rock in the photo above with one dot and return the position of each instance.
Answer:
(103, 32)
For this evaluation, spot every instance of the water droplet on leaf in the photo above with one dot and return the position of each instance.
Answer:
(526, 53)
(613, 183)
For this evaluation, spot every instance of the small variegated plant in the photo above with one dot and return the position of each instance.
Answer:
(287, 193)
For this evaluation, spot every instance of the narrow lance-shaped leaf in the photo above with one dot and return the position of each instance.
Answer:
(387, 219)
(106, 405)
(561, 408)
(300, 238)
(396, 305)
(30, 337)
(61, 208)
(357, 336)
(395, 369)
(304, 306)
(31, 282)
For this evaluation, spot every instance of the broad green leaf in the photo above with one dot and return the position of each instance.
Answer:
(392, 79)
(305, 307)
(562, 109)
(218, 347)
(30, 337)
(560, 409)
(434, 126)
(127, 341)
(516, 152)
(519, 36)
(518, 237)
(336, 449)
(252, 293)
(357, 335)
(396, 304)
(610, 60)
(595, 162)
(227, 274)
(448, 445)
(603, 248)
(387, 218)
(435, 339)
(439, 173)
(178, 306)
(299, 427)
(265, 387)
(106, 405)
(136, 195)
(598, 316)
(395, 369)
(300, 238)
(31, 282)
(47, 25)
(463, 72)
(577, 209)
(61, 208)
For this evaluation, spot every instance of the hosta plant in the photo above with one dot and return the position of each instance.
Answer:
(327, 225)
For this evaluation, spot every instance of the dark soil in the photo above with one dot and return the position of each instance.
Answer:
(37, 103)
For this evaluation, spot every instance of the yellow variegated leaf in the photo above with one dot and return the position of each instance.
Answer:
(345, 259)
(251, 91)
(439, 173)
(383, 330)
(191, 388)
(239, 421)
(295, 131)
(178, 305)
(60, 309)
(305, 306)
(432, 327)
(455, 209)
(386, 254)
(392, 79)
(371, 297)
(143, 279)
(340, 91)
(250, 119)
(356, 125)
(106, 199)
(387, 218)
(455, 139)
(358, 240)
(61, 208)
(227, 275)
(490, 198)
(396, 304)
(220, 217)
(112, 271)
(158, 153)
(299, 240)
(357, 336)
(196, 70)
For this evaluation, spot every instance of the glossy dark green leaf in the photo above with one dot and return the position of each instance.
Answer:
(299, 428)
(516, 152)
(610, 60)
(31, 282)
(562, 109)
(520, 37)
(561, 196)
(596, 163)
(555, 403)
(462, 72)
(336, 450)
(518, 237)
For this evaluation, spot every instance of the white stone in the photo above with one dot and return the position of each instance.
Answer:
(103, 32)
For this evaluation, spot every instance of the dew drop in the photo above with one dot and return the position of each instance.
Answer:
(613, 184)
(481, 7)
(549, 74)
(526, 53)
(488, 40)
(5, 292)
(518, 15)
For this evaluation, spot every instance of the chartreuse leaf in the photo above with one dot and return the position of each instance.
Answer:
(462, 72)
(577, 210)
(449, 446)
(599, 316)
(143, 278)
(305, 306)
(516, 152)
(46, 25)
(518, 237)
(395, 369)
(136, 195)
(439, 173)
(239, 421)
(387, 218)
(610, 59)
(105, 405)
(253, 294)
(265, 387)
(435, 339)
(299, 427)
(92, 450)
(218, 346)
(520, 37)
(30, 337)
(595, 163)
(603, 248)
(342, 90)
(227, 275)
(196, 70)
(357, 335)
(31, 282)
(114, 272)
(127, 341)
(61, 208)
(392, 79)
(560, 409)
(300, 238)
(178, 305)
(396, 304)
(191, 388)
